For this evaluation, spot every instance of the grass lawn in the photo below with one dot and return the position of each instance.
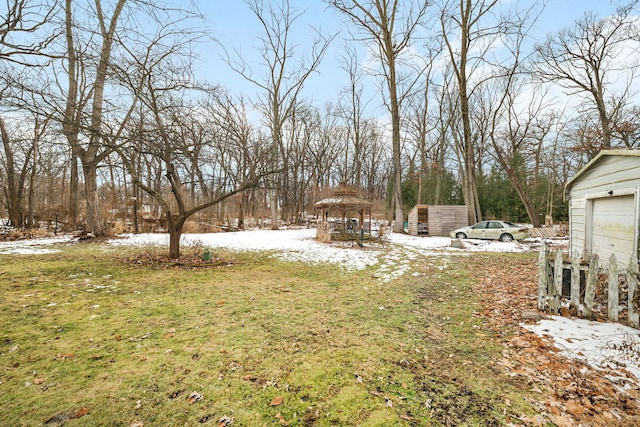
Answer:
(89, 338)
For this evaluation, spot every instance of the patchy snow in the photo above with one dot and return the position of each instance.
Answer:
(289, 245)
(301, 245)
(474, 245)
(611, 347)
(33, 246)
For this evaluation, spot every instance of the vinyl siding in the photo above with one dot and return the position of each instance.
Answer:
(611, 175)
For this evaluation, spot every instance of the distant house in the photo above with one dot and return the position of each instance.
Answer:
(437, 220)
(604, 206)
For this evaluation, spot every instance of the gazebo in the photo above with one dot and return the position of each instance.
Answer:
(342, 216)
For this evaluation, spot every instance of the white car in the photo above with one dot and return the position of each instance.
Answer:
(492, 230)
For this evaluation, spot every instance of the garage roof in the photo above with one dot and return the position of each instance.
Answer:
(602, 154)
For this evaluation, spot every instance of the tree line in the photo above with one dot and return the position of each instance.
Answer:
(102, 117)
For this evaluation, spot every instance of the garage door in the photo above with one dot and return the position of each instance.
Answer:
(613, 224)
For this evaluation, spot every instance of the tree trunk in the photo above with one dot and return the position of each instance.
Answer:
(11, 188)
(174, 225)
(398, 225)
(136, 225)
(73, 193)
(93, 225)
(174, 242)
(524, 197)
(273, 201)
(241, 207)
(32, 185)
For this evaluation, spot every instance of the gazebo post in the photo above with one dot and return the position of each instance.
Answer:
(344, 202)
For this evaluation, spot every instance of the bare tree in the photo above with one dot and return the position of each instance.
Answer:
(23, 19)
(284, 79)
(324, 153)
(232, 134)
(188, 145)
(352, 106)
(461, 21)
(95, 150)
(483, 39)
(390, 27)
(443, 124)
(14, 177)
(103, 38)
(510, 128)
(228, 176)
(425, 156)
(626, 128)
(590, 58)
(516, 135)
(26, 34)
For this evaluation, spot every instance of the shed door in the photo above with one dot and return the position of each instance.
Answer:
(612, 231)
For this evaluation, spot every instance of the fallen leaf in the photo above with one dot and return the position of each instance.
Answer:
(169, 335)
(38, 381)
(225, 421)
(277, 401)
(175, 394)
(80, 412)
(63, 356)
(194, 397)
(575, 409)
(281, 419)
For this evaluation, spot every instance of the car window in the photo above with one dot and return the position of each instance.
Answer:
(494, 224)
(480, 226)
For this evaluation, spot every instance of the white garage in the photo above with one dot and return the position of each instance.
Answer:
(603, 206)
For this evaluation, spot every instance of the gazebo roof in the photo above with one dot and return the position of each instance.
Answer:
(343, 202)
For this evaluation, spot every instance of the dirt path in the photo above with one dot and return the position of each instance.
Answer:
(571, 393)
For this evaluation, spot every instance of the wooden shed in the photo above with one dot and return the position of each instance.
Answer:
(604, 211)
(437, 220)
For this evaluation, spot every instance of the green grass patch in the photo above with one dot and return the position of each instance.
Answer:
(89, 339)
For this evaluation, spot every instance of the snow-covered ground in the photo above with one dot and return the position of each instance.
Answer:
(33, 246)
(601, 345)
(607, 346)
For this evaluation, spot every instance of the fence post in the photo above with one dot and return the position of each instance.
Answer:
(632, 281)
(575, 280)
(557, 282)
(614, 288)
(543, 276)
(590, 293)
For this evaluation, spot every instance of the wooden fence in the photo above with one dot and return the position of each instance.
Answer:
(589, 284)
